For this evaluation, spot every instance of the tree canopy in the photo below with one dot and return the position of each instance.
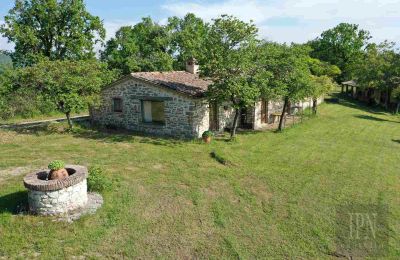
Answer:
(231, 45)
(143, 47)
(56, 29)
(189, 35)
(69, 85)
(342, 46)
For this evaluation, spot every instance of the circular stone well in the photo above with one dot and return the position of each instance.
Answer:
(55, 197)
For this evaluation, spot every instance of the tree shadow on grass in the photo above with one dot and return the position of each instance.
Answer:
(125, 136)
(347, 101)
(396, 140)
(84, 130)
(373, 118)
(14, 203)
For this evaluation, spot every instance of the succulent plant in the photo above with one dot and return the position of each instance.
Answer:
(56, 165)
(207, 134)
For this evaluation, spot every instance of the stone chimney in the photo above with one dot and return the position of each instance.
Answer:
(192, 66)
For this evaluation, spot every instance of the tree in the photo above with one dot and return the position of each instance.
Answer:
(320, 85)
(5, 61)
(341, 46)
(70, 85)
(379, 69)
(290, 75)
(230, 52)
(189, 36)
(143, 47)
(56, 29)
(321, 79)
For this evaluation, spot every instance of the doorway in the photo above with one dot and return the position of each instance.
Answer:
(214, 122)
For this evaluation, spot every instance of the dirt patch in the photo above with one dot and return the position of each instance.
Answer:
(13, 172)
(7, 137)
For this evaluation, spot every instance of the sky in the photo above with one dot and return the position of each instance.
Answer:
(278, 20)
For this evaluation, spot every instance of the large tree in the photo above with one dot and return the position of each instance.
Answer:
(70, 85)
(188, 38)
(289, 74)
(342, 46)
(379, 69)
(230, 52)
(142, 47)
(322, 79)
(56, 29)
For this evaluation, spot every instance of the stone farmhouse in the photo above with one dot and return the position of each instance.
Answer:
(174, 104)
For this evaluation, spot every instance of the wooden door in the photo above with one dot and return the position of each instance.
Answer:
(264, 111)
(214, 122)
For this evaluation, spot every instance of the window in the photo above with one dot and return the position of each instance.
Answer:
(153, 111)
(117, 104)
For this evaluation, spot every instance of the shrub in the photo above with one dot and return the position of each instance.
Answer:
(97, 180)
(207, 134)
(56, 165)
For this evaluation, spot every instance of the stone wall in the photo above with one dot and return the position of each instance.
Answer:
(276, 107)
(226, 115)
(58, 202)
(184, 116)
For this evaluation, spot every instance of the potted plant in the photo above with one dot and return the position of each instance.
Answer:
(57, 170)
(207, 135)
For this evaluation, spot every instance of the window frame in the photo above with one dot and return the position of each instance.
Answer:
(121, 110)
(157, 123)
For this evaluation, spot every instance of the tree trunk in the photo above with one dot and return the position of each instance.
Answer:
(314, 106)
(282, 119)
(235, 121)
(342, 89)
(389, 95)
(398, 107)
(68, 114)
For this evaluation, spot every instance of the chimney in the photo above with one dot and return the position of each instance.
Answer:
(192, 66)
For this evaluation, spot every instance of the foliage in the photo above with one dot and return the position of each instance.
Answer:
(188, 39)
(18, 100)
(143, 47)
(207, 134)
(56, 29)
(56, 165)
(380, 69)
(288, 72)
(70, 85)
(342, 46)
(231, 46)
(97, 180)
(5, 62)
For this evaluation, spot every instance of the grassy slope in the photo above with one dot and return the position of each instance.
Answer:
(277, 198)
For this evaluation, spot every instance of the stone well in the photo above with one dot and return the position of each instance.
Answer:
(55, 197)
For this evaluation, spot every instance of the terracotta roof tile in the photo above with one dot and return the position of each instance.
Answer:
(180, 81)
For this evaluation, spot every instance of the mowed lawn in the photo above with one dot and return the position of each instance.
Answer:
(275, 198)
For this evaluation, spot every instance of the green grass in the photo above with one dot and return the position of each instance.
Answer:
(276, 198)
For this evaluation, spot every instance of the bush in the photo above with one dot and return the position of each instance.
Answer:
(56, 165)
(97, 180)
(207, 134)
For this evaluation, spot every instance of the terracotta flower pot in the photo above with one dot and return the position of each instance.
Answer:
(58, 174)
(207, 139)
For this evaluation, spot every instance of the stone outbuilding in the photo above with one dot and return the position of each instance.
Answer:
(173, 104)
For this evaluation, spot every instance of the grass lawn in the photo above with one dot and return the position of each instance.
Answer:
(277, 196)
